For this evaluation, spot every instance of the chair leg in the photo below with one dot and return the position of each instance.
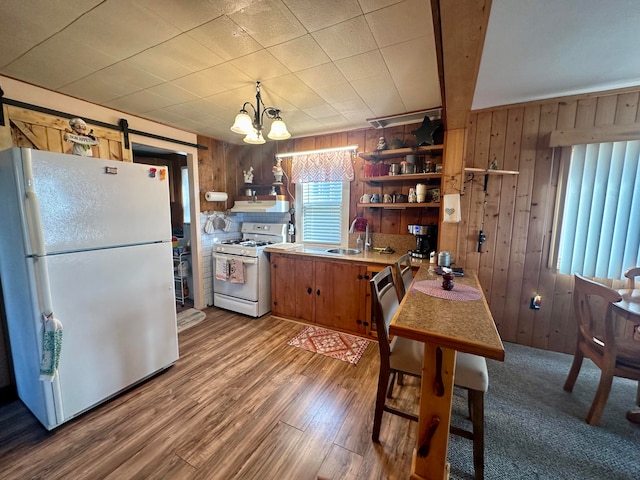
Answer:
(574, 371)
(392, 382)
(600, 400)
(383, 382)
(476, 411)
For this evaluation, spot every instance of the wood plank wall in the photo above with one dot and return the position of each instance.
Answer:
(517, 210)
(262, 158)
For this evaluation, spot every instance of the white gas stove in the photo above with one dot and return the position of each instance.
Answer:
(255, 236)
(242, 276)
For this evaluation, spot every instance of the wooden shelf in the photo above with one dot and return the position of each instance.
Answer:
(407, 177)
(400, 152)
(400, 206)
(486, 171)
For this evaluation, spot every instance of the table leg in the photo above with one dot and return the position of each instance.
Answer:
(430, 457)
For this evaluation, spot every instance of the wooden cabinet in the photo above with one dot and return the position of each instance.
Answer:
(324, 292)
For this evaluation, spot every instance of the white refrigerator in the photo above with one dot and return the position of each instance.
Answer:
(88, 240)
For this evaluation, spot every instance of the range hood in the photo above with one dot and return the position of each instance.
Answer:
(258, 206)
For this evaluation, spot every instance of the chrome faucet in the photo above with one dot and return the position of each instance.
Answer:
(254, 198)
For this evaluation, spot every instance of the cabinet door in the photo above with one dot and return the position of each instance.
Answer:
(341, 299)
(304, 289)
(283, 281)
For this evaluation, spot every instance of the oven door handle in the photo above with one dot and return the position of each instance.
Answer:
(228, 257)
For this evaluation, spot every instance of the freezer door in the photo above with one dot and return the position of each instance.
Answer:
(87, 203)
(118, 312)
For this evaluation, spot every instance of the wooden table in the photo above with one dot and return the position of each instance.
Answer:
(629, 307)
(447, 326)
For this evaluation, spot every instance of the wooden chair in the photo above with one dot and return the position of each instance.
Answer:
(404, 273)
(597, 340)
(631, 274)
(405, 356)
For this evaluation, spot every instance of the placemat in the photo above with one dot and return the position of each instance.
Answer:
(460, 291)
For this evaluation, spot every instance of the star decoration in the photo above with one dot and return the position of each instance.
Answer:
(424, 134)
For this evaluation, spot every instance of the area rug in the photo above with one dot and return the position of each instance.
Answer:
(340, 346)
(188, 318)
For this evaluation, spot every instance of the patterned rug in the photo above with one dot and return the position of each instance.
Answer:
(188, 318)
(341, 346)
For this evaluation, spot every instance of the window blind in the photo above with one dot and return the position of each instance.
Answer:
(322, 212)
(600, 233)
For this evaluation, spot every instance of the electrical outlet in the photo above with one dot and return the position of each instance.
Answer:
(536, 301)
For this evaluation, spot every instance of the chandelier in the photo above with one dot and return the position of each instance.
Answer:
(252, 127)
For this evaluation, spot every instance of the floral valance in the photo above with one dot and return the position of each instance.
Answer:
(329, 166)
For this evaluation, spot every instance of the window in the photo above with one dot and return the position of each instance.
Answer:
(322, 209)
(599, 210)
(186, 203)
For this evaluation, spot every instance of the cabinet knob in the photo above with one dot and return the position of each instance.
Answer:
(275, 303)
(366, 277)
(309, 290)
(358, 321)
(275, 265)
(360, 277)
(366, 324)
(318, 292)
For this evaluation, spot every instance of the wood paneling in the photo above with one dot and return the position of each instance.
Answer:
(516, 212)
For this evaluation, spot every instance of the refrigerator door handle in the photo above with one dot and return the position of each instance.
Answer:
(34, 225)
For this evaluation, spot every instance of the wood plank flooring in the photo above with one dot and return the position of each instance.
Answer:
(239, 404)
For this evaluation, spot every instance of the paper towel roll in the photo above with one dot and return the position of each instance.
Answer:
(216, 196)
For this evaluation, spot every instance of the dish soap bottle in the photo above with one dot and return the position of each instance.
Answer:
(359, 243)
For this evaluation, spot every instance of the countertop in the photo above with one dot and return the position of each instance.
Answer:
(372, 257)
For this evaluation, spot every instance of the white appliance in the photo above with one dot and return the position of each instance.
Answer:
(260, 206)
(89, 240)
(252, 296)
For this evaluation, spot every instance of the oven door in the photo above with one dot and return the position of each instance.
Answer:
(245, 291)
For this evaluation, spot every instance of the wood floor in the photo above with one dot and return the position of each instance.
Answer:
(239, 404)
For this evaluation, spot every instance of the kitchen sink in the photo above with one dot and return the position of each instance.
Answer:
(343, 251)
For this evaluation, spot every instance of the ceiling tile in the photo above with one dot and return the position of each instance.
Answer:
(300, 53)
(176, 58)
(139, 102)
(199, 84)
(270, 22)
(338, 93)
(12, 48)
(173, 92)
(196, 12)
(321, 76)
(365, 65)
(260, 65)
(346, 39)
(314, 16)
(380, 95)
(33, 22)
(295, 91)
(401, 22)
(371, 5)
(225, 38)
(121, 28)
(414, 69)
(321, 111)
(60, 70)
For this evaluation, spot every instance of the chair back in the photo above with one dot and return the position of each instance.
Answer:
(384, 303)
(631, 274)
(593, 311)
(404, 274)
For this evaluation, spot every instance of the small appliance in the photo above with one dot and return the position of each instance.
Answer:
(426, 240)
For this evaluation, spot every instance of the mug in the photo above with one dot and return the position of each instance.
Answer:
(412, 196)
(387, 198)
(375, 198)
(366, 198)
(248, 192)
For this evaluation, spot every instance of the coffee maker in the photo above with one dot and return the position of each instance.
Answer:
(426, 240)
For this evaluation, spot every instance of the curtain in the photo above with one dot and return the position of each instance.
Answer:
(331, 166)
(600, 233)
